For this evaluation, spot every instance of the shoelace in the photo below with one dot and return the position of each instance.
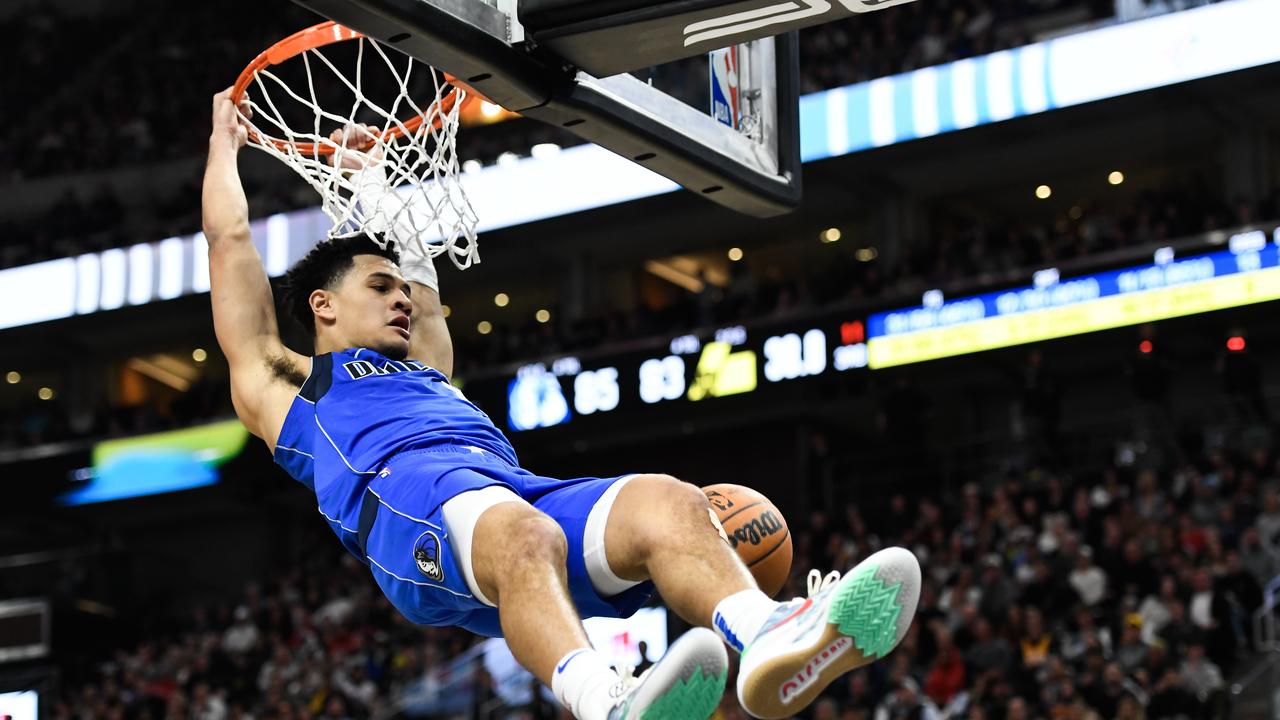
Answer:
(819, 582)
(626, 680)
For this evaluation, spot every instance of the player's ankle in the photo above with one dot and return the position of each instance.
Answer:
(582, 683)
(739, 618)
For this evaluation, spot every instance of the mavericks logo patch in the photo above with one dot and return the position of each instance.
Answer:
(426, 555)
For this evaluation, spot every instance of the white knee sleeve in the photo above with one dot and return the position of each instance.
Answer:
(603, 579)
(461, 513)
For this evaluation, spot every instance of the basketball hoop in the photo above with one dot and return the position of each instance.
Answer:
(402, 184)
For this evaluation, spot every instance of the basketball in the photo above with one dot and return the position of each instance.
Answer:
(757, 530)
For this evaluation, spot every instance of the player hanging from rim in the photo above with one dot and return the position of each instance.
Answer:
(421, 486)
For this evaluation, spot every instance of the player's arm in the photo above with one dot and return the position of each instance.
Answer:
(429, 340)
(244, 316)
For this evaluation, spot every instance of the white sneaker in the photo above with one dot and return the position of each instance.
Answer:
(686, 684)
(842, 625)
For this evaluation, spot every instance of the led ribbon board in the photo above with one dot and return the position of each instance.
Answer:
(1072, 70)
(1091, 303)
(159, 463)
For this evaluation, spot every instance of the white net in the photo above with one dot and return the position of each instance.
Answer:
(391, 169)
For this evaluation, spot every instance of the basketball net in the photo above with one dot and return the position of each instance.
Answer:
(401, 181)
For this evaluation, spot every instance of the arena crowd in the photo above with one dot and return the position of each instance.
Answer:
(1116, 592)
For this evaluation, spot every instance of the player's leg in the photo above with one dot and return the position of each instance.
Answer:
(513, 557)
(516, 560)
(664, 530)
(518, 557)
(660, 528)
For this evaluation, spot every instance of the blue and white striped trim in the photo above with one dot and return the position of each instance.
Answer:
(409, 517)
(295, 450)
(339, 451)
(337, 522)
(374, 563)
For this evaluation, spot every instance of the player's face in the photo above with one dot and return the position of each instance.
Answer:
(374, 307)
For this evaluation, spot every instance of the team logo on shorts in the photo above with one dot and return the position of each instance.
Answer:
(426, 554)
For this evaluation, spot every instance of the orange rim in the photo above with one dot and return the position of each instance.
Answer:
(317, 36)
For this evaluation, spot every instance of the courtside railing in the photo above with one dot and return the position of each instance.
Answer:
(1266, 641)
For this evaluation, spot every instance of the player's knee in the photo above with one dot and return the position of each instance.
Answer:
(670, 498)
(536, 538)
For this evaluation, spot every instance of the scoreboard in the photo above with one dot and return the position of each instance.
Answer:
(699, 367)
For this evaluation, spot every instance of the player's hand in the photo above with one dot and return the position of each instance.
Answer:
(228, 127)
(360, 147)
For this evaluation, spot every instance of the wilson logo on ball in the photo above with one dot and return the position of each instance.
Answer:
(757, 530)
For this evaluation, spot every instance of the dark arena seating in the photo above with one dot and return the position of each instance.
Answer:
(1040, 352)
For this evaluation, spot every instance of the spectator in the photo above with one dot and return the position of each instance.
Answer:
(998, 590)
(1017, 710)
(989, 652)
(1154, 612)
(1171, 697)
(946, 678)
(1105, 696)
(906, 703)
(1088, 580)
(1132, 651)
(1136, 569)
(1203, 678)
(1256, 558)
(242, 636)
(1178, 632)
(860, 697)
(1036, 643)
(1087, 637)
(1268, 522)
(206, 705)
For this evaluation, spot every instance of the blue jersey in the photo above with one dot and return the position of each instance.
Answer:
(359, 408)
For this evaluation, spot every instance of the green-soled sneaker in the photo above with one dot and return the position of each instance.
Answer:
(843, 625)
(686, 684)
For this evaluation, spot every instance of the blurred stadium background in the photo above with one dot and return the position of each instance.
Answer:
(1027, 331)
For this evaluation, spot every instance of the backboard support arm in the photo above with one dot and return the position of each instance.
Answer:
(606, 38)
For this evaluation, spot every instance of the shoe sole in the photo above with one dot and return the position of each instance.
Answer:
(863, 622)
(698, 684)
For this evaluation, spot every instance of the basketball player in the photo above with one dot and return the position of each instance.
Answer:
(421, 486)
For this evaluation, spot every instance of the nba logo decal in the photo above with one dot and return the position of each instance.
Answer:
(719, 500)
(725, 106)
(426, 555)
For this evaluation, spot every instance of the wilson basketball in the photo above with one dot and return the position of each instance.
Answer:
(757, 530)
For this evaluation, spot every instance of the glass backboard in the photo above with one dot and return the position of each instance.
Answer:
(610, 95)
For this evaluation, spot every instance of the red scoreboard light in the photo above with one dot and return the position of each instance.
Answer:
(852, 333)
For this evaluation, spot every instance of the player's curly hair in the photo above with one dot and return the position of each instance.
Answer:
(324, 268)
